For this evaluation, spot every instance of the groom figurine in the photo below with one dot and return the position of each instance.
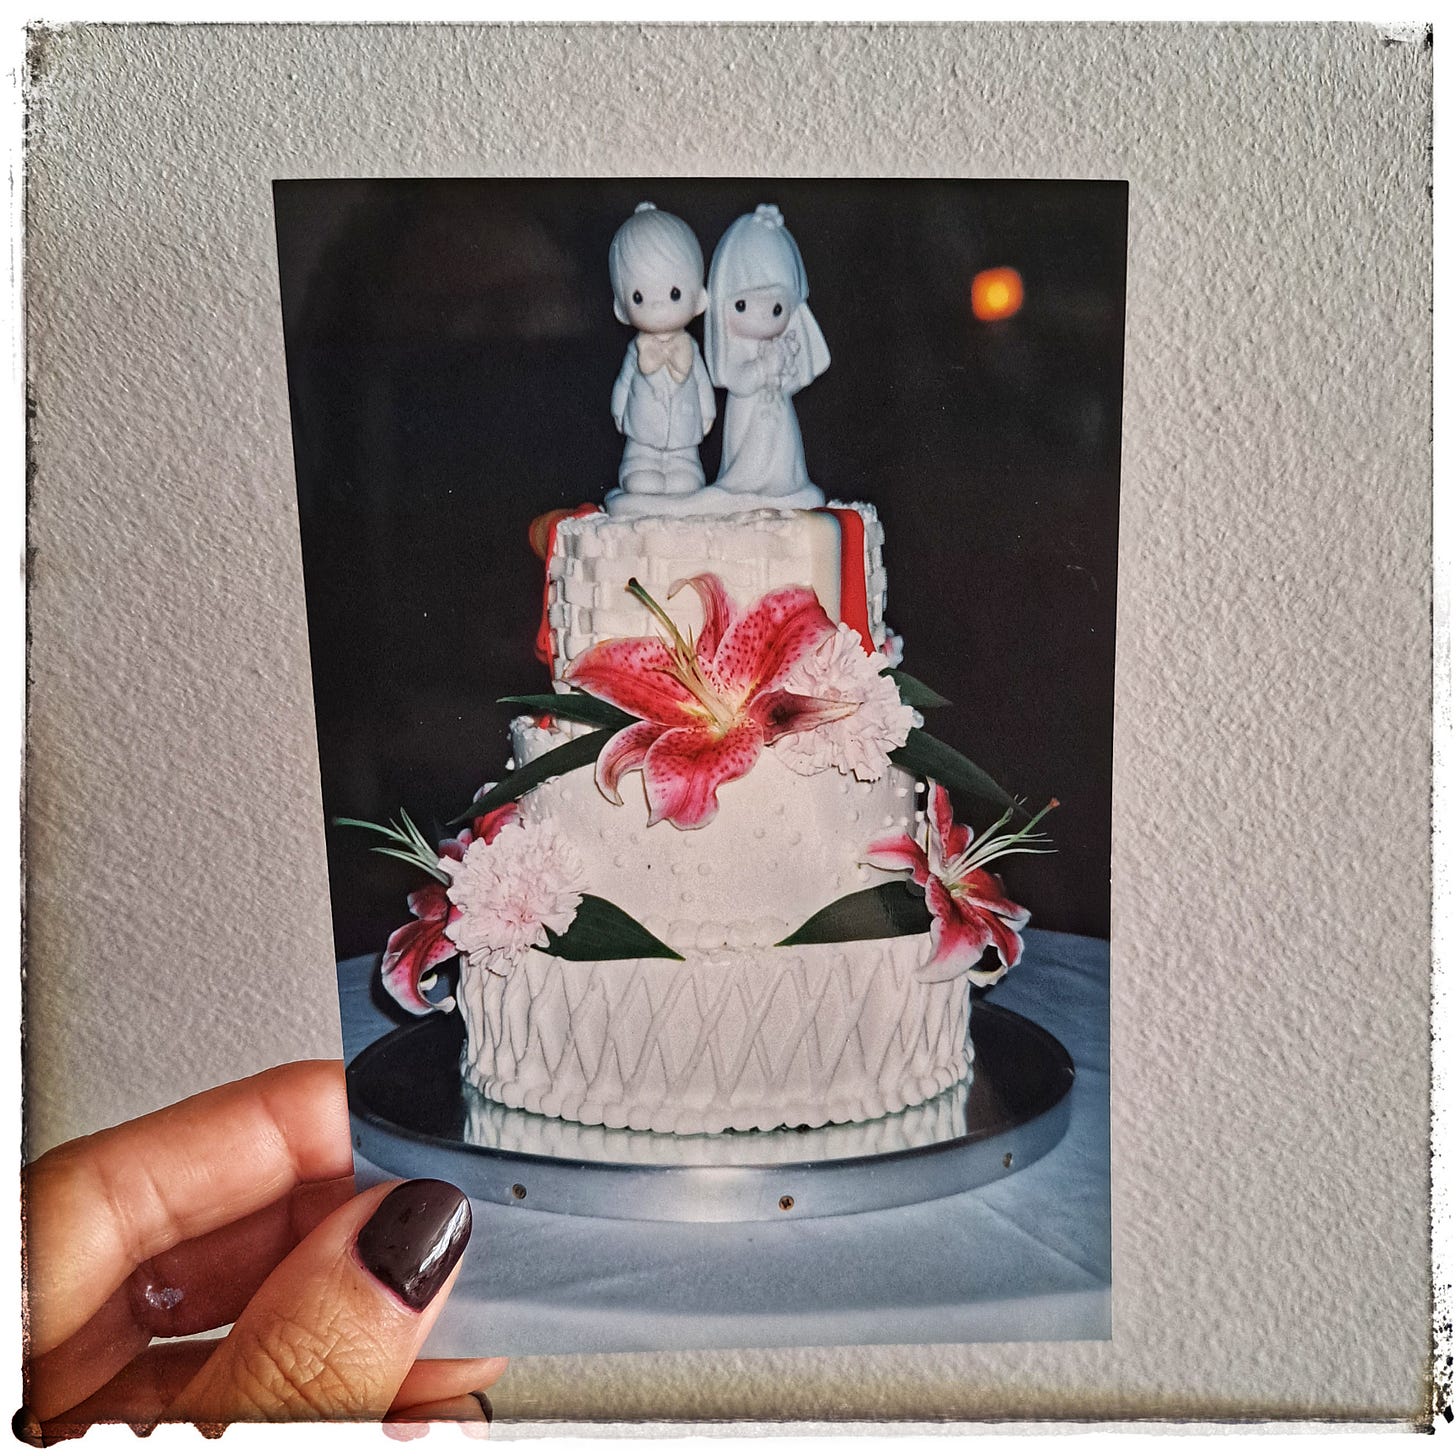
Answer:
(663, 399)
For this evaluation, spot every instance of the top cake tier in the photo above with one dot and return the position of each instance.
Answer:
(838, 551)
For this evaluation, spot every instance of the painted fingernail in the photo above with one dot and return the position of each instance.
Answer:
(483, 1401)
(415, 1238)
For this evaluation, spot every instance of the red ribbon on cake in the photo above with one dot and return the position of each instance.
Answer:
(854, 600)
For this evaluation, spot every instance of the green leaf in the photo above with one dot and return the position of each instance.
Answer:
(576, 753)
(578, 707)
(431, 867)
(389, 831)
(602, 931)
(417, 850)
(932, 759)
(913, 692)
(874, 914)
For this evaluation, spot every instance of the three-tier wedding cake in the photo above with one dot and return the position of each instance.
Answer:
(721, 885)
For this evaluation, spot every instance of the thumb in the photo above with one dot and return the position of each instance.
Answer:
(334, 1329)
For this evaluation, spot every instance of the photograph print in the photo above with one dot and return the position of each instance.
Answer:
(711, 592)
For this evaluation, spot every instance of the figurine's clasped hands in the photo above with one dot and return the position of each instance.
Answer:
(772, 362)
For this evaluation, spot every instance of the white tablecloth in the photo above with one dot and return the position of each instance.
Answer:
(1028, 1257)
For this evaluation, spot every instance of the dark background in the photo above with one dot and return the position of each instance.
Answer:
(451, 351)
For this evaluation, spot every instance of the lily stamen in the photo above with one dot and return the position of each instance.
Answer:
(685, 660)
(645, 597)
(985, 848)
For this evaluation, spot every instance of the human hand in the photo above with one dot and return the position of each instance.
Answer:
(237, 1206)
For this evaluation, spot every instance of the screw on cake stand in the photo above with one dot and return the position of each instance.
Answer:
(413, 1117)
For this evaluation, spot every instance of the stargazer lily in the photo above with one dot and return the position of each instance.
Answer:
(968, 904)
(417, 947)
(707, 705)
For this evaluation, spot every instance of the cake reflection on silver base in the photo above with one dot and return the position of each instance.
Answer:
(754, 1038)
(412, 1117)
(942, 1119)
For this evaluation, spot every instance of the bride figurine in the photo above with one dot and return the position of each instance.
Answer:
(763, 346)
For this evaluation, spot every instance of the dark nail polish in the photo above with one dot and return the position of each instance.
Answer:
(483, 1401)
(415, 1238)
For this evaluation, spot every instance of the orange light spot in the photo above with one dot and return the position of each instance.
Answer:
(996, 293)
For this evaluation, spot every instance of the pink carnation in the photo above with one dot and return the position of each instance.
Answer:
(510, 891)
(839, 670)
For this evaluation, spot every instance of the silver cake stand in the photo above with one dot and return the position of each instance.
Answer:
(413, 1117)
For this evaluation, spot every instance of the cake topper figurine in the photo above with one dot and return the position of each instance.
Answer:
(763, 346)
(663, 400)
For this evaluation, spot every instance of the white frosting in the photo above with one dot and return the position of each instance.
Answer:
(782, 846)
(725, 1039)
(709, 501)
(596, 555)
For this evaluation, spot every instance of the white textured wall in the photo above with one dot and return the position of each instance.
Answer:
(1270, 904)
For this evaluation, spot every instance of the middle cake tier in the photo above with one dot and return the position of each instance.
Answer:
(782, 846)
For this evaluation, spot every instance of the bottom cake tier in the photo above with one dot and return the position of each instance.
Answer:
(747, 1039)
